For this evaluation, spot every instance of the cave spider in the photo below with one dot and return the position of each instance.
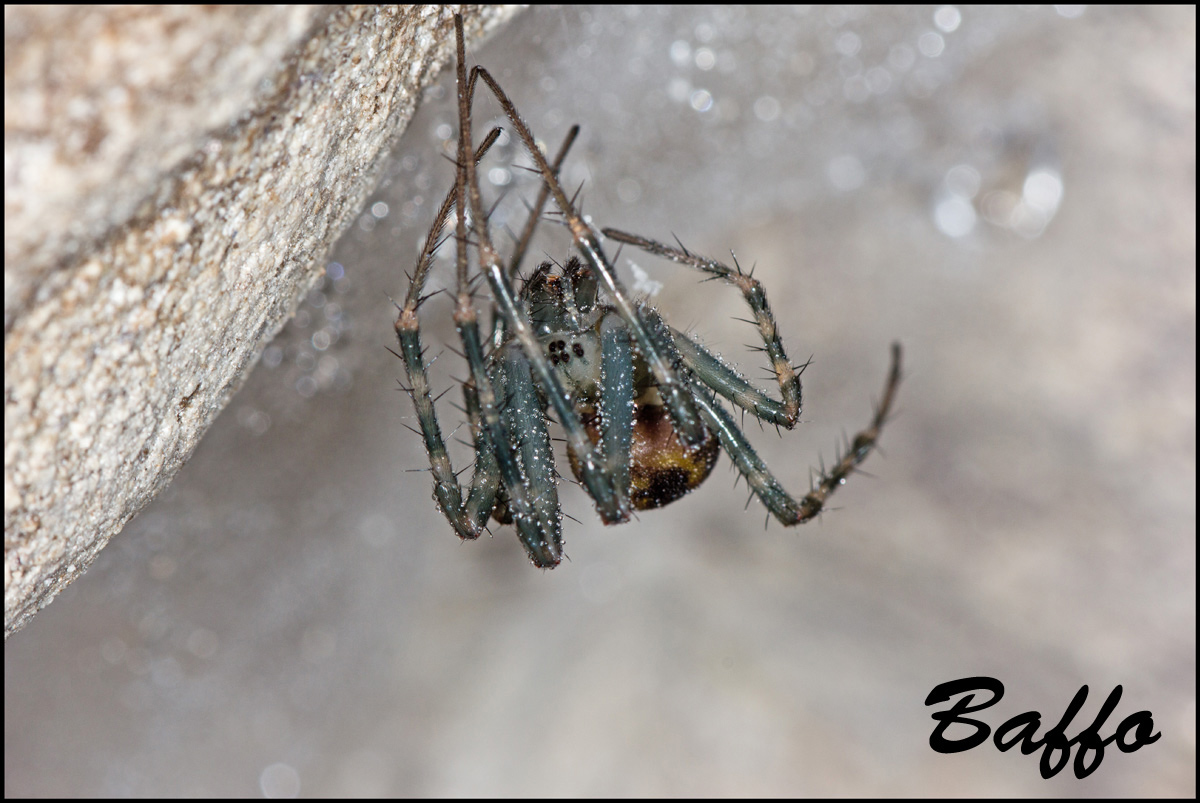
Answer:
(636, 398)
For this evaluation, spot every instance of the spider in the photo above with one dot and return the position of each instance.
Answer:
(636, 398)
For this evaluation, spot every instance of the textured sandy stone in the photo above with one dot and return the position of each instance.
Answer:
(174, 178)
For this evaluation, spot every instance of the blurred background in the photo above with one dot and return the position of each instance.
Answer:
(1008, 192)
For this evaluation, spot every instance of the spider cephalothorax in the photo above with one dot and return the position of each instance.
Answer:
(637, 400)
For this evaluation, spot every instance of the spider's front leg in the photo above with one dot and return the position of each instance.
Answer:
(470, 518)
(599, 485)
(526, 427)
(616, 403)
(522, 245)
(539, 532)
(674, 392)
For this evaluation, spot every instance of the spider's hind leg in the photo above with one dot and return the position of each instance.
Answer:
(725, 381)
(782, 505)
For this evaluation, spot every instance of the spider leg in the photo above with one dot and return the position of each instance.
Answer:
(434, 238)
(784, 507)
(481, 504)
(744, 395)
(674, 392)
(725, 380)
(535, 216)
(525, 486)
(470, 519)
(526, 423)
(616, 404)
(540, 537)
(598, 484)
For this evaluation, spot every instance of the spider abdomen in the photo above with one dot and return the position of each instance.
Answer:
(661, 468)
